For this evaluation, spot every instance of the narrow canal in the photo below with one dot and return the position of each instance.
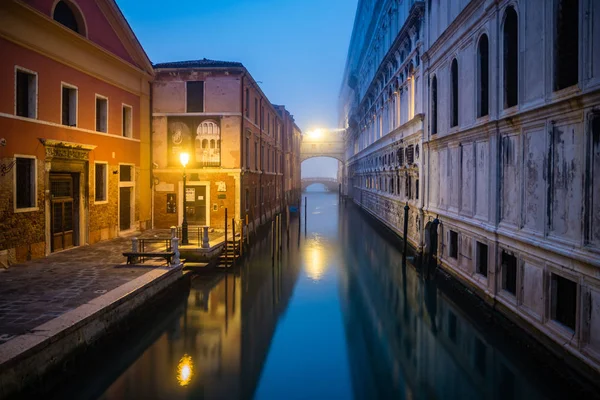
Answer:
(336, 317)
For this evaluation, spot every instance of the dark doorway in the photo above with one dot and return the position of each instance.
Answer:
(196, 205)
(124, 208)
(64, 209)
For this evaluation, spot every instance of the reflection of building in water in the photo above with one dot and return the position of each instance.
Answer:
(405, 331)
(217, 349)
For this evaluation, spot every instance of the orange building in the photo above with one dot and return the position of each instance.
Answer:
(74, 126)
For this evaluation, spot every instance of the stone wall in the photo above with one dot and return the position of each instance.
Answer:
(22, 234)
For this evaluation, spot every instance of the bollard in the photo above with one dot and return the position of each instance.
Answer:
(175, 248)
(134, 245)
(233, 237)
(205, 242)
(305, 213)
(226, 257)
(173, 232)
(406, 208)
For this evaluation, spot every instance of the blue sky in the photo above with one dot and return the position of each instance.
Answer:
(296, 48)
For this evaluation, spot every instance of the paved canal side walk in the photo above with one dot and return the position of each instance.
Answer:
(50, 307)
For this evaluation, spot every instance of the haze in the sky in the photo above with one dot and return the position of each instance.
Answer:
(296, 49)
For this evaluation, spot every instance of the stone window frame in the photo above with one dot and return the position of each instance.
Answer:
(502, 61)
(99, 96)
(105, 201)
(36, 88)
(35, 184)
(480, 113)
(128, 134)
(553, 324)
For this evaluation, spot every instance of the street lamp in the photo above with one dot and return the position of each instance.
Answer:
(184, 158)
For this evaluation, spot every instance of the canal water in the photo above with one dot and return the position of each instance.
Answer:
(335, 316)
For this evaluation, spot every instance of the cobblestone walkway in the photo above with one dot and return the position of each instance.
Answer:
(37, 291)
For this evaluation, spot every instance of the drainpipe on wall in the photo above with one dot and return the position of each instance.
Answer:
(243, 151)
(151, 160)
(261, 153)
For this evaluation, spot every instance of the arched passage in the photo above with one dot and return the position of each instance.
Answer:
(323, 171)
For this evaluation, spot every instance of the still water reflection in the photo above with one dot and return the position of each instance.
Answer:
(337, 317)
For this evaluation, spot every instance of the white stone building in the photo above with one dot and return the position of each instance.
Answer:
(510, 155)
(381, 109)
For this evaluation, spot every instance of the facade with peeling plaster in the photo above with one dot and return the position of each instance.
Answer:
(510, 155)
(215, 112)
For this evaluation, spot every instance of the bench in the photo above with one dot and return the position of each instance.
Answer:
(166, 255)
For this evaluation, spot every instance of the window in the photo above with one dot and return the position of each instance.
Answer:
(256, 110)
(26, 92)
(566, 50)
(434, 101)
(410, 154)
(127, 129)
(484, 83)
(255, 196)
(247, 103)
(262, 118)
(482, 259)
(101, 114)
(101, 182)
(417, 189)
(511, 57)
(195, 96)
(454, 99)
(563, 298)
(262, 195)
(247, 199)
(509, 272)
(65, 14)
(25, 183)
(400, 154)
(69, 105)
(125, 173)
(256, 156)
(453, 245)
(247, 153)
(409, 187)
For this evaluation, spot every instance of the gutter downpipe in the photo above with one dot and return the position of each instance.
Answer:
(151, 158)
(243, 150)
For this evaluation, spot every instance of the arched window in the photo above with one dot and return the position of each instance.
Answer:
(67, 15)
(511, 57)
(483, 76)
(212, 143)
(566, 54)
(434, 105)
(204, 143)
(454, 98)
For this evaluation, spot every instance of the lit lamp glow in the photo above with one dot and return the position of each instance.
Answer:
(184, 158)
(185, 370)
(315, 134)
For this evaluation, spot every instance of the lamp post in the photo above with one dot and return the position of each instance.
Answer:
(184, 158)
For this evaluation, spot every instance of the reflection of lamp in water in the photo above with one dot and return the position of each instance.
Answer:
(315, 267)
(185, 369)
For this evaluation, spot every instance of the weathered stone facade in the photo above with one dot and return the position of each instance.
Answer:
(509, 161)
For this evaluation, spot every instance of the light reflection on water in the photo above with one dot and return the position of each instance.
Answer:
(337, 317)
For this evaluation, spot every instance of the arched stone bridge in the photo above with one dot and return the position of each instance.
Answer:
(328, 143)
(330, 184)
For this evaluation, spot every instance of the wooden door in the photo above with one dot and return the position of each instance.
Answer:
(61, 191)
(124, 208)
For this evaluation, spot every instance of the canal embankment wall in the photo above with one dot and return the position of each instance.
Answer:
(27, 358)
